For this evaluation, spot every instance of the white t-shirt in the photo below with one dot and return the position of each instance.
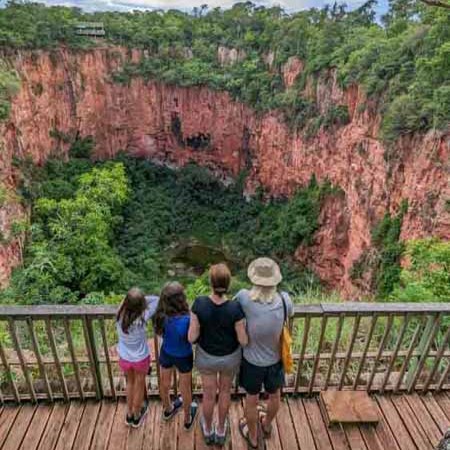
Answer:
(133, 346)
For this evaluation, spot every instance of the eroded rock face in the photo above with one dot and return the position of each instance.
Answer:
(65, 93)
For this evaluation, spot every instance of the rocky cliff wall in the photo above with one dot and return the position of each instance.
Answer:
(66, 94)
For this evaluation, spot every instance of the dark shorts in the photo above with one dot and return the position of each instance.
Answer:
(252, 378)
(184, 364)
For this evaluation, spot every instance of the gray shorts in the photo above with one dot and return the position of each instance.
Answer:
(208, 364)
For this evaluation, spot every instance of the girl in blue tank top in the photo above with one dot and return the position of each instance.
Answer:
(171, 322)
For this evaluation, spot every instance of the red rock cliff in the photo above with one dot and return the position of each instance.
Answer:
(64, 93)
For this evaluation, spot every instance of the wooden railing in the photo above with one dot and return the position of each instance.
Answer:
(64, 352)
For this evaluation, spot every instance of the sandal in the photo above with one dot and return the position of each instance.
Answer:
(242, 427)
(267, 431)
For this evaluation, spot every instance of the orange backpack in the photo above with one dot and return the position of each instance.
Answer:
(286, 343)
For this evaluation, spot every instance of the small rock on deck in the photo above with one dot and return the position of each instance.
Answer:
(407, 422)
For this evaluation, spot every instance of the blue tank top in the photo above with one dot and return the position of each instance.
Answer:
(175, 336)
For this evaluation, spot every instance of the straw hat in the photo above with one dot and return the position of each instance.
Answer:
(264, 272)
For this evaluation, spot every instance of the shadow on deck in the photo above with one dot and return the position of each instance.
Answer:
(408, 422)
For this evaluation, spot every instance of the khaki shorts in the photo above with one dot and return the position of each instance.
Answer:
(208, 364)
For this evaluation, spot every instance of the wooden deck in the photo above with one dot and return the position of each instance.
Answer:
(408, 422)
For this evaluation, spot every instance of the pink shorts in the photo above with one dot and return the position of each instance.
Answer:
(141, 366)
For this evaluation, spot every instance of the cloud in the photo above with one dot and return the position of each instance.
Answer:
(187, 5)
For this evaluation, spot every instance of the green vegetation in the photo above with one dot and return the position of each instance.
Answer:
(9, 85)
(426, 274)
(403, 64)
(100, 228)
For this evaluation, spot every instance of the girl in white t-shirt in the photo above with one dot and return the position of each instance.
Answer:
(134, 352)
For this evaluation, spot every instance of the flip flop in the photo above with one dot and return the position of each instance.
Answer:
(267, 431)
(242, 427)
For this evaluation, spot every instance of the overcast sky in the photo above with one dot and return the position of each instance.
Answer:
(126, 5)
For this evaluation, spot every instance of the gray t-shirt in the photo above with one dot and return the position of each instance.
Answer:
(264, 326)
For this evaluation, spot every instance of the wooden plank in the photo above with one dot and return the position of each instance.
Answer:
(414, 428)
(302, 430)
(20, 427)
(119, 431)
(285, 426)
(37, 352)
(437, 360)
(317, 425)
(384, 433)
(157, 424)
(302, 351)
(354, 437)
(134, 441)
(370, 437)
(367, 342)
(349, 406)
(444, 402)
(104, 424)
(186, 439)
(435, 411)
(236, 412)
(415, 373)
(53, 428)
(37, 427)
(7, 419)
(20, 355)
(323, 327)
(51, 338)
(70, 426)
(9, 374)
(394, 354)
(334, 350)
(91, 347)
(107, 358)
(381, 346)
(73, 356)
(348, 355)
(399, 430)
(408, 355)
(87, 426)
(169, 432)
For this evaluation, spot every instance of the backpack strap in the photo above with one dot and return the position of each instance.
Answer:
(284, 308)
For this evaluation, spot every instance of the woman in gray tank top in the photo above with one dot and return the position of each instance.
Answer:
(265, 311)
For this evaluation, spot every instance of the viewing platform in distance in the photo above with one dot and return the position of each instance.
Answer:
(61, 388)
(94, 29)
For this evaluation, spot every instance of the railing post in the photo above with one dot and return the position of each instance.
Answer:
(93, 356)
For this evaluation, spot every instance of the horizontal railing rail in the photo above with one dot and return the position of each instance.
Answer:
(54, 352)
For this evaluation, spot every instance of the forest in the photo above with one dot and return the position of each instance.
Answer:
(401, 59)
(98, 227)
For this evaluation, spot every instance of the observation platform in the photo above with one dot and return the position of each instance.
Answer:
(61, 387)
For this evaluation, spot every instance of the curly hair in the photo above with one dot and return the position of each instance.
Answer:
(172, 302)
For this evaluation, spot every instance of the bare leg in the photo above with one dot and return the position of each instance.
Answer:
(166, 380)
(251, 414)
(225, 382)
(273, 405)
(186, 393)
(209, 383)
(138, 398)
(130, 390)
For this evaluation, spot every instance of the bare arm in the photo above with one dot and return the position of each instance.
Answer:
(194, 329)
(241, 332)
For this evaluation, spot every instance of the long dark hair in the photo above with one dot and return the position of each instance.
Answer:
(172, 302)
(131, 309)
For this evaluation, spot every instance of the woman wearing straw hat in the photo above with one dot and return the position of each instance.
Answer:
(265, 310)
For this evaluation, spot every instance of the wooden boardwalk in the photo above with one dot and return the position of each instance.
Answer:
(409, 422)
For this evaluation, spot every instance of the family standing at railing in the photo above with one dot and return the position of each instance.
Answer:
(246, 335)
